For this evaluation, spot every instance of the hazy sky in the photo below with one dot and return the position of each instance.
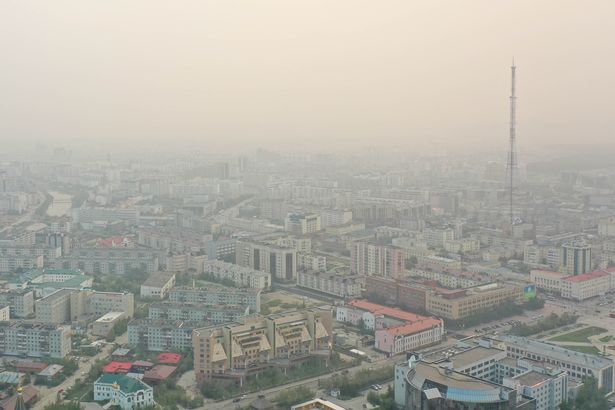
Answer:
(320, 73)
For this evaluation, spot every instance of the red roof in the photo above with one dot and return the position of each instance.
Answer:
(26, 366)
(412, 328)
(169, 358)
(586, 276)
(377, 309)
(159, 372)
(117, 367)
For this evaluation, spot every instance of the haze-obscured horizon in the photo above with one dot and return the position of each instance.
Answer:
(311, 75)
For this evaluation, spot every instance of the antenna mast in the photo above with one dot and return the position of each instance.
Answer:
(511, 163)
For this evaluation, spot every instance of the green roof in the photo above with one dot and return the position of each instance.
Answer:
(127, 384)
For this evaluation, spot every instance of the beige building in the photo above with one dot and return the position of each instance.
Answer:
(92, 304)
(5, 313)
(158, 285)
(258, 343)
(280, 262)
(462, 303)
(547, 280)
(54, 308)
(104, 325)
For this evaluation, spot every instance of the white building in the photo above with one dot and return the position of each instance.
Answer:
(547, 280)
(158, 285)
(34, 339)
(585, 286)
(125, 392)
(241, 276)
(302, 223)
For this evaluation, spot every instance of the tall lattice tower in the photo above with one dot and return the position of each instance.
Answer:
(511, 163)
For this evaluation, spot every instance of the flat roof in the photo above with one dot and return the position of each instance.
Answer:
(51, 370)
(158, 279)
(557, 352)
(110, 317)
(532, 378)
(473, 355)
(159, 372)
(169, 358)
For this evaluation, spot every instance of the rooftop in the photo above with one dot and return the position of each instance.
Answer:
(158, 279)
(51, 370)
(169, 358)
(474, 355)
(557, 352)
(532, 378)
(117, 367)
(159, 372)
(586, 276)
(126, 384)
(386, 311)
(110, 317)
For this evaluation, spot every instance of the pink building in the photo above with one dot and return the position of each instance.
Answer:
(376, 260)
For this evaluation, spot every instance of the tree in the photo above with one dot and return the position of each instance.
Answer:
(590, 397)
(290, 397)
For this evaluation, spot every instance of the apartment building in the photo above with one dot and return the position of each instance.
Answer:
(308, 261)
(158, 285)
(280, 262)
(160, 335)
(197, 312)
(10, 263)
(21, 302)
(110, 260)
(438, 263)
(410, 295)
(240, 275)
(34, 339)
(85, 215)
(5, 313)
(302, 223)
(218, 296)
(335, 217)
(246, 348)
(457, 304)
(343, 286)
(173, 239)
(373, 259)
(438, 236)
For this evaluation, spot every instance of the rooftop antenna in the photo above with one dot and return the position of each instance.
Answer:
(511, 162)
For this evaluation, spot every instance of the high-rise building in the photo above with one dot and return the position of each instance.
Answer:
(280, 262)
(369, 259)
(575, 258)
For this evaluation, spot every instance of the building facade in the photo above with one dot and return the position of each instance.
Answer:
(34, 339)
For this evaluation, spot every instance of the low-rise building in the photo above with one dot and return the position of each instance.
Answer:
(34, 339)
(547, 280)
(585, 286)
(158, 285)
(458, 304)
(98, 261)
(578, 365)
(125, 392)
(105, 324)
(47, 281)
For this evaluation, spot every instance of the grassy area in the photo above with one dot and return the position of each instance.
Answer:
(579, 336)
(584, 349)
(606, 339)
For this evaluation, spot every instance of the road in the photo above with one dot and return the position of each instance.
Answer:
(311, 383)
(48, 396)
